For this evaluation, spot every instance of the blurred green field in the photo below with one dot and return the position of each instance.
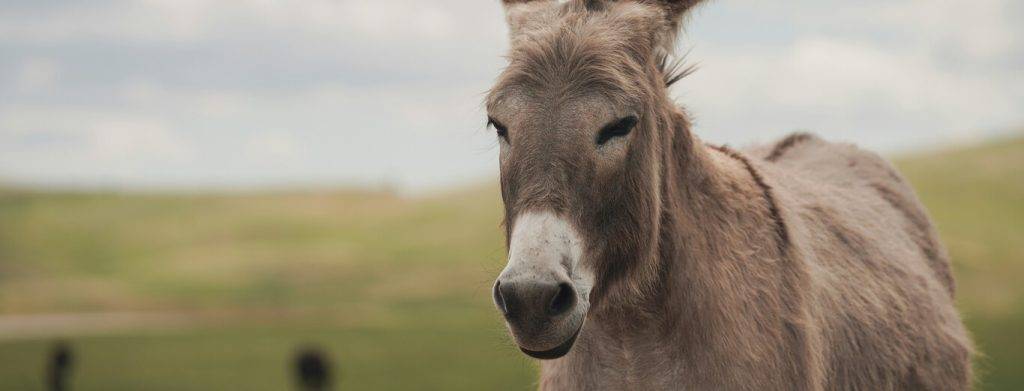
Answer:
(397, 289)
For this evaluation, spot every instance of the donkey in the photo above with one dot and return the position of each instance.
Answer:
(641, 258)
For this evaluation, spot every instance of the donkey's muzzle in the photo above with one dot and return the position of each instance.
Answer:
(539, 314)
(542, 293)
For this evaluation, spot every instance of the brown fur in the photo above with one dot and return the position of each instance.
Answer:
(804, 265)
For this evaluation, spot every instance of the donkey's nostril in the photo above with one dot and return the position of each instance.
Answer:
(533, 301)
(498, 300)
(564, 299)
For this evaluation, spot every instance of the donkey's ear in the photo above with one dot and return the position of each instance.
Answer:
(522, 14)
(675, 11)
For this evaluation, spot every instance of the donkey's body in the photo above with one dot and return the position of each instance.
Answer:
(641, 258)
(843, 286)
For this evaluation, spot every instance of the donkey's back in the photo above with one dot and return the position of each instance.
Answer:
(883, 288)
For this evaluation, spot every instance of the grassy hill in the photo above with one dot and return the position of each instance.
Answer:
(976, 197)
(97, 252)
(396, 289)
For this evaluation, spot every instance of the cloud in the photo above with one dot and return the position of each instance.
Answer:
(272, 147)
(71, 146)
(825, 73)
(981, 29)
(262, 92)
(111, 137)
(878, 74)
(189, 21)
(122, 140)
(36, 74)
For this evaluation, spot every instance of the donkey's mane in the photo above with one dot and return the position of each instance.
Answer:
(781, 229)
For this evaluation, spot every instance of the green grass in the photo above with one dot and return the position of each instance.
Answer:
(96, 252)
(463, 354)
(396, 289)
(976, 197)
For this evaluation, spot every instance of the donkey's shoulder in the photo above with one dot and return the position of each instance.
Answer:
(806, 154)
(802, 146)
(844, 174)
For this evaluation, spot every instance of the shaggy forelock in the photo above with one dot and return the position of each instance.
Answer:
(577, 50)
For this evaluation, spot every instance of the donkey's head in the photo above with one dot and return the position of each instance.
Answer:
(581, 113)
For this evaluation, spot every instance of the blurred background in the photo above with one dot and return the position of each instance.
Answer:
(196, 194)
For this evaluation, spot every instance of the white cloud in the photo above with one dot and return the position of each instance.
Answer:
(139, 21)
(195, 20)
(134, 139)
(105, 137)
(851, 74)
(272, 147)
(877, 73)
(242, 92)
(36, 74)
(981, 28)
(373, 19)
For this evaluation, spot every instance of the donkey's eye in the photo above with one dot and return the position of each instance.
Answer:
(618, 128)
(498, 127)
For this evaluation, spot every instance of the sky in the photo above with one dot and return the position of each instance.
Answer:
(272, 93)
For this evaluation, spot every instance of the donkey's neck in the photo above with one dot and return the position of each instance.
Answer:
(717, 241)
(716, 213)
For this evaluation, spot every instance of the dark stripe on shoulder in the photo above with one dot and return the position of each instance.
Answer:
(787, 143)
(773, 208)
